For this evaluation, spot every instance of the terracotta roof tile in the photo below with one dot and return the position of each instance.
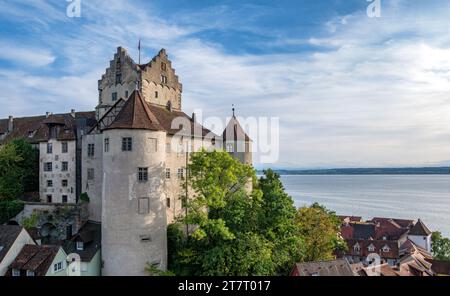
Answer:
(420, 229)
(35, 258)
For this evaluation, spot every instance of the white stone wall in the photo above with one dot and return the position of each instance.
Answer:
(57, 175)
(125, 248)
(421, 241)
(93, 187)
(174, 187)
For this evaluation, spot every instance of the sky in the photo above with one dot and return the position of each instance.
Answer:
(348, 90)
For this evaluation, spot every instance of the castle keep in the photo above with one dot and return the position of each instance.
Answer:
(129, 156)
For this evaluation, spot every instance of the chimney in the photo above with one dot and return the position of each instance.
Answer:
(194, 119)
(10, 124)
(72, 113)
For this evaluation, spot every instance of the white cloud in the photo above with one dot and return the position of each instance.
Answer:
(34, 57)
(375, 94)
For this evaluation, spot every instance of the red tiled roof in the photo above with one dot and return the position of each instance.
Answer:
(135, 114)
(35, 129)
(35, 258)
(378, 246)
(139, 114)
(420, 229)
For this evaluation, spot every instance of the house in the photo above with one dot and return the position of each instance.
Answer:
(43, 260)
(12, 239)
(339, 267)
(383, 239)
(86, 244)
(420, 235)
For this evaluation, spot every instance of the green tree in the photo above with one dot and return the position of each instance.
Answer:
(226, 238)
(10, 172)
(277, 222)
(319, 230)
(440, 246)
(29, 165)
(19, 169)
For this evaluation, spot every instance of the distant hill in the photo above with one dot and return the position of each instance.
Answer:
(369, 171)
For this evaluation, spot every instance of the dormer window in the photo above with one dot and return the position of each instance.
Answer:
(386, 249)
(356, 248)
(371, 248)
(30, 134)
(80, 246)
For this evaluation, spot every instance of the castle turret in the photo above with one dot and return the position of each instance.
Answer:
(236, 142)
(133, 201)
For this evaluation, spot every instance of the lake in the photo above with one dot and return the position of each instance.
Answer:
(395, 196)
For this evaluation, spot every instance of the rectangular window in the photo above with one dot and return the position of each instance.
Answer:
(15, 272)
(90, 174)
(167, 173)
(49, 183)
(80, 246)
(142, 174)
(107, 145)
(230, 147)
(118, 78)
(114, 96)
(183, 201)
(180, 173)
(156, 94)
(49, 148)
(91, 150)
(64, 183)
(57, 267)
(30, 273)
(163, 79)
(49, 198)
(64, 147)
(127, 144)
(143, 205)
(168, 202)
(48, 167)
(64, 199)
(64, 166)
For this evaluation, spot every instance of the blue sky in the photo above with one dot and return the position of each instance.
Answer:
(349, 90)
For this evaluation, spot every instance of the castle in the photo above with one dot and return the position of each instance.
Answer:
(129, 157)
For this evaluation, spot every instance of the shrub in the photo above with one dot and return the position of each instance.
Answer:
(9, 209)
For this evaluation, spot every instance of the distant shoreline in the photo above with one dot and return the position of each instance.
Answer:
(367, 171)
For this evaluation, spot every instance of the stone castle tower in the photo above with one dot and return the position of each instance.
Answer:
(134, 160)
(156, 81)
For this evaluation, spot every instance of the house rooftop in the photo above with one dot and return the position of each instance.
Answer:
(35, 258)
(419, 229)
(8, 235)
(339, 267)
